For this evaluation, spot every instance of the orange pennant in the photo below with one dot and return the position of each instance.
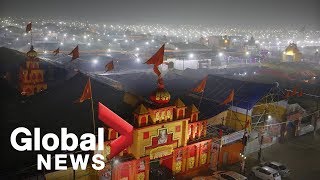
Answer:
(229, 98)
(29, 27)
(300, 93)
(109, 66)
(294, 91)
(201, 86)
(87, 93)
(75, 53)
(287, 94)
(157, 58)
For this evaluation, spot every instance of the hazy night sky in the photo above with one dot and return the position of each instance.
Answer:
(170, 11)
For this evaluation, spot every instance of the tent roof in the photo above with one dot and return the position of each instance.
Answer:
(246, 94)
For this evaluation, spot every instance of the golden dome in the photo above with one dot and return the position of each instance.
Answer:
(160, 96)
(32, 53)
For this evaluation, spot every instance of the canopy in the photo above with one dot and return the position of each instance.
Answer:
(246, 94)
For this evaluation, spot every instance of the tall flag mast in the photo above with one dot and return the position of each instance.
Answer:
(87, 94)
(156, 60)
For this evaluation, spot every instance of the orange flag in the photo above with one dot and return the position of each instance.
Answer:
(55, 52)
(229, 98)
(28, 28)
(294, 91)
(287, 94)
(201, 86)
(109, 66)
(300, 93)
(157, 58)
(75, 53)
(87, 93)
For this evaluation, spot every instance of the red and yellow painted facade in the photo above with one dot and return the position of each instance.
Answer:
(31, 77)
(170, 136)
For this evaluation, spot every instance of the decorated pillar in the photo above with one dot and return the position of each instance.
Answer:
(141, 116)
(179, 110)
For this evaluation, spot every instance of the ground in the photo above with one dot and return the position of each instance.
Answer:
(301, 155)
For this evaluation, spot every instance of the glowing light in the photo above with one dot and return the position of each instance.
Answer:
(138, 60)
(137, 49)
(220, 54)
(95, 61)
(191, 55)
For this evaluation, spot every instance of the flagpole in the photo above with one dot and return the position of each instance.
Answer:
(92, 110)
(231, 111)
(200, 99)
(31, 36)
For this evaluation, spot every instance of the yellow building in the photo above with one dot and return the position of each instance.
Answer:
(291, 53)
(168, 136)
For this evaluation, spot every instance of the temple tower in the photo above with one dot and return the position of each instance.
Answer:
(31, 77)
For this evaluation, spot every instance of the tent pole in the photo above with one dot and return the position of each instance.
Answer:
(200, 99)
(92, 111)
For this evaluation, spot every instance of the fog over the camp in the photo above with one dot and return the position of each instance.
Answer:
(256, 12)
